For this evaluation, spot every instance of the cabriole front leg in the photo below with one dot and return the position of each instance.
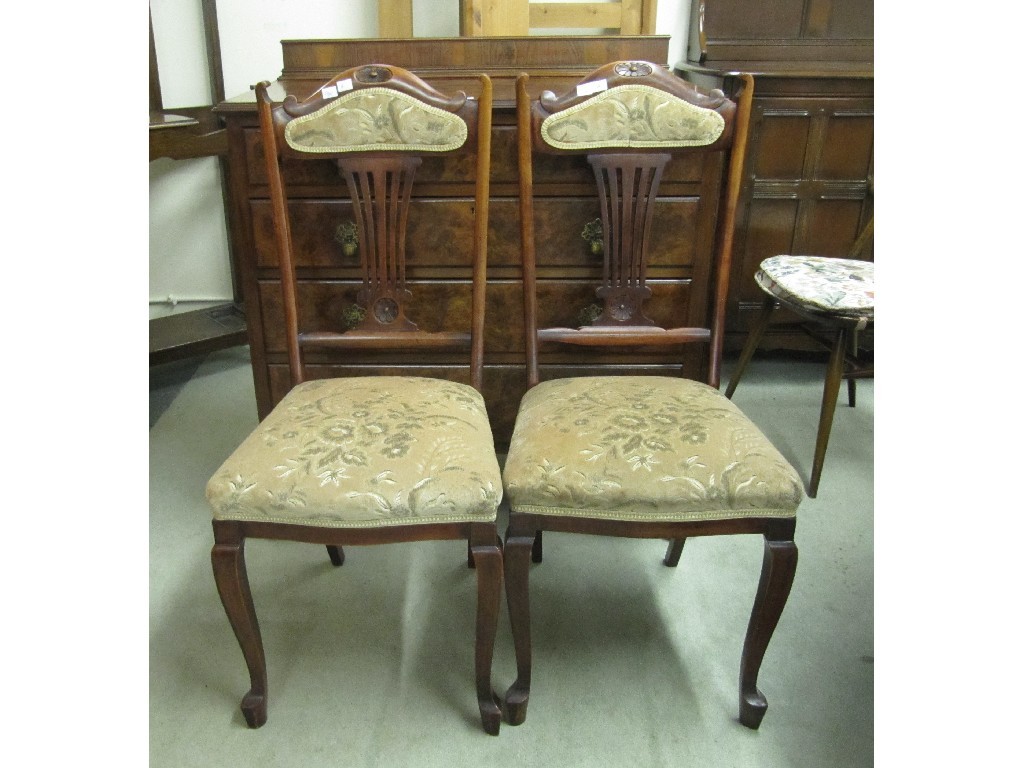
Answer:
(518, 549)
(486, 559)
(228, 557)
(777, 571)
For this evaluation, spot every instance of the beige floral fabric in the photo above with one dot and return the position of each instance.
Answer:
(376, 119)
(364, 452)
(632, 116)
(643, 448)
(837, 286)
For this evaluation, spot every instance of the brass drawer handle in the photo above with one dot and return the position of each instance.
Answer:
(593, 233)
(347, 236)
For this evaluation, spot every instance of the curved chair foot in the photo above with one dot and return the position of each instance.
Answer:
(490, 714)
(254, 709)
(516, 699)
(753, 705)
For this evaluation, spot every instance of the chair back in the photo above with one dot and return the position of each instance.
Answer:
(377, 123)
(630, 119)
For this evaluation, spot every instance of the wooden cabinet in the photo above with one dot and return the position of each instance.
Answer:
(810, 160)
(438, 257)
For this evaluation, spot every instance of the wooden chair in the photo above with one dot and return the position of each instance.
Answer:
(836, 300)
(369, 459)
(640, 456)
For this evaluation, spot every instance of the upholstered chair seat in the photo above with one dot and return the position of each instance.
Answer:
(365, 452)
(643, 448)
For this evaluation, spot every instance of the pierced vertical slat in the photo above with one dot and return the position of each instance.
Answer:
(627, 188)
(381, 190)
(393, 192)
(627, 205)
(650, 182)
(602, 196)
(406, 196)
(359, 189)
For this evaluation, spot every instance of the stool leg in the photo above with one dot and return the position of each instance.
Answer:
(851, 383)
(833, 378)
(756, 333)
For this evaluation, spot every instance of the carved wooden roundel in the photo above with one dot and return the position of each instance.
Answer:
(633, 69)
(385, 310)
(373, 74)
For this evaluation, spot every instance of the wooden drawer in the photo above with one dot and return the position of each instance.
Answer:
(436, 240)
(445, 305)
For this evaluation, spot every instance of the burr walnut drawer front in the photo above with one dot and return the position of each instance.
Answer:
(445, 305)
(436, 238)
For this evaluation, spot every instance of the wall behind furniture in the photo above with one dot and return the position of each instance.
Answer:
(188, 242)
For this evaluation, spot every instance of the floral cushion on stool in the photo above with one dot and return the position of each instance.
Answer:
(646, 448)
(821, 283)
(364, 452)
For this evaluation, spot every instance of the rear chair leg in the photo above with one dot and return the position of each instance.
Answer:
(675, 549)
(228, 557)
(337, 555)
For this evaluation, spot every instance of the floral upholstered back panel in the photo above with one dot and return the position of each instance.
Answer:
(376, 119)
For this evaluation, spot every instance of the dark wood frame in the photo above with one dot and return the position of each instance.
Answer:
(523, 540)
(483, 543)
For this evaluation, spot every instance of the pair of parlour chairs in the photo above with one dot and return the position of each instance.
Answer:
(379, 459)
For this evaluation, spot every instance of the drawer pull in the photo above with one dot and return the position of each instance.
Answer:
(347, 235)
(594, 234)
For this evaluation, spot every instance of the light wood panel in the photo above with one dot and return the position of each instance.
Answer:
(501, 18)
